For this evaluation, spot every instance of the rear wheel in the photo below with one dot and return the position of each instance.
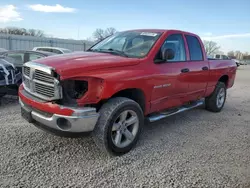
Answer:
(119, 126)
(215, 102)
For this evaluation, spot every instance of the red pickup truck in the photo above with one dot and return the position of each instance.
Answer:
(111, 88)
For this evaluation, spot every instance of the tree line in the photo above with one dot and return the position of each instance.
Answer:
(98, 34)
(213, 48)
(22, 31)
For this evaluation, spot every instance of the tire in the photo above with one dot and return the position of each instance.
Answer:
(211, 103)
(107, 134)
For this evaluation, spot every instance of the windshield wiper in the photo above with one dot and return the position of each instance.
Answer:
(91, 50)
(118, 52)
(110, 50)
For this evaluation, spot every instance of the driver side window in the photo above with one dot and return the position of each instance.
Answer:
(175, 42)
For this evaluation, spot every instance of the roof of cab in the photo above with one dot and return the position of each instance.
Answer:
(28, 51)
(57, 48)
(161, 30)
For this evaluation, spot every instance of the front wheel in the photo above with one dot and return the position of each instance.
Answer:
(216, 100)
(119, 126)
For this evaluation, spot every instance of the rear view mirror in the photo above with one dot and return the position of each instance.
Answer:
(168, 54)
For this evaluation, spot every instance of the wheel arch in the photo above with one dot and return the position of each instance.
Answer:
(224, 79)
(135, 94)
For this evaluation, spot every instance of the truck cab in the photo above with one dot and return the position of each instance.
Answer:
(126, 78)
(221, 56)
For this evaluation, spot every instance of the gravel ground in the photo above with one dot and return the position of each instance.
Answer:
(193, 149)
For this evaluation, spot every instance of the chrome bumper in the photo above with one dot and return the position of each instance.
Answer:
(82, 120)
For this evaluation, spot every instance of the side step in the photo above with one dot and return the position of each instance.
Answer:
(168, 113)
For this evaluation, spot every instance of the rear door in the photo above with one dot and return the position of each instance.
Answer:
(198, 66)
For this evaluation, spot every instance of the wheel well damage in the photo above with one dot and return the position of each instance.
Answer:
(224, 79)
(134, 94)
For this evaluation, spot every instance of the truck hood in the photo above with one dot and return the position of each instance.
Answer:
(74, 63)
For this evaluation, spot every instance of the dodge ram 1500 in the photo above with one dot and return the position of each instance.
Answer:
(130, 76)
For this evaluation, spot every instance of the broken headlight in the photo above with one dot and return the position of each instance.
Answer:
(73, 90)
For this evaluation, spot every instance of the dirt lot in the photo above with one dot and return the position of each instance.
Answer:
(193, 149)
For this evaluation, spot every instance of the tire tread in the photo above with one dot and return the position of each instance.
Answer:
(210, 102)
(106, 113)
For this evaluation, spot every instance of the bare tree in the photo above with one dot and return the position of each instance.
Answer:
(22, 31)
(110, 31)
(211, 47)
(246, 54)
(230, 54)
(238, 54)
(100, 34)
(34, 32)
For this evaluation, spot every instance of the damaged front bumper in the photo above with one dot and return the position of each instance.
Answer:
(72, 120)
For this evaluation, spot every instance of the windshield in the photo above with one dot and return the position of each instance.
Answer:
(128, 43)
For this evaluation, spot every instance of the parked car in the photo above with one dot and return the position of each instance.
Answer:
(23, 56)
(126, 78)
(10, 77)
(237, 62)
(245, 62)
(2, 50)
(52, 49)
(220, 56)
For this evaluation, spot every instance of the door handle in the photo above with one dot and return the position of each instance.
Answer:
(204, 68)
(185, 70)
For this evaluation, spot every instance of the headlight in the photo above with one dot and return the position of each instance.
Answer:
(82, 91)
(74, 89)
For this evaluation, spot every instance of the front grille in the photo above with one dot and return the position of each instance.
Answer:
(42, 76)
(38, 80)
(26, 82)
(48, 91)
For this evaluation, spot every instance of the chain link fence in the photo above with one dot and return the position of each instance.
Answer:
(18, 42)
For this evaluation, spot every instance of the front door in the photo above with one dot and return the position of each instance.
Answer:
(170, 84)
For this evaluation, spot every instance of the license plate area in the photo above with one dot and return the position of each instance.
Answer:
(26, 114)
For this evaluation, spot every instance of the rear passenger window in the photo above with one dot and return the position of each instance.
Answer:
(56, 51)
(194, 47)
(44, 49)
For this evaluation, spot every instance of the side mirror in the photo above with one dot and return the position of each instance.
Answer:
(168, 54)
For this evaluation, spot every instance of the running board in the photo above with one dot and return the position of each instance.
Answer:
(165, 114)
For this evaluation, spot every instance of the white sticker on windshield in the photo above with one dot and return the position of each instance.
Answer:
(149, 34)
